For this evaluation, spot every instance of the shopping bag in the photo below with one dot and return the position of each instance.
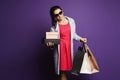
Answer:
(84, 61)
(89, 64)
(77, 61)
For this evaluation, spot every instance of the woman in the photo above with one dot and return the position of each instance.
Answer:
(63, 53)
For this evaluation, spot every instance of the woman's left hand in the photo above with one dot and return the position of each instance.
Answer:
(84, 40)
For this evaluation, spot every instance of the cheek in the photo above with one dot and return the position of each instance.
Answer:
(59, 18)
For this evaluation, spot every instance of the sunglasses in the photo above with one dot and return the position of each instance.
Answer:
(58, 14)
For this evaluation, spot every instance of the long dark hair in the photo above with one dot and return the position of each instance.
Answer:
(53, 19)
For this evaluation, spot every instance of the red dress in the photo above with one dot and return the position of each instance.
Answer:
(65, 47)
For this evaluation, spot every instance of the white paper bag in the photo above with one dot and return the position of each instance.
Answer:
(89, 65)
(86, 67)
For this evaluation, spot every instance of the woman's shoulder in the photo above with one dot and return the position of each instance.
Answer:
(69, 18)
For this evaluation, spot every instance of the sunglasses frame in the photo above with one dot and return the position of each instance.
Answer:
(58, 14)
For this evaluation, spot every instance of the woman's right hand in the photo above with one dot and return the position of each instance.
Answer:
(50, 44)
(84, 40)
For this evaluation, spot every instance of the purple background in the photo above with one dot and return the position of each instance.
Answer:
(23, 24)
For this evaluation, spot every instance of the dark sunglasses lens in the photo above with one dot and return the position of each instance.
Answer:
(58, 13)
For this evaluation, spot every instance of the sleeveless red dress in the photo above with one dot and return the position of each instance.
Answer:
(65, 47)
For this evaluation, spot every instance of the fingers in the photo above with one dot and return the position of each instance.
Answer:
(50, 44)
(84, 40)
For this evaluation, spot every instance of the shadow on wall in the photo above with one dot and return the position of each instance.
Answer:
(44, 60)
(80, 77)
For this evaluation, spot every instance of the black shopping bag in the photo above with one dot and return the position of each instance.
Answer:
(77, 61)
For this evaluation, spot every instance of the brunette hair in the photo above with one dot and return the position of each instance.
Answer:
(52, 9)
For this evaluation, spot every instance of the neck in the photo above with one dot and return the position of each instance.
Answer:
(63, 21)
